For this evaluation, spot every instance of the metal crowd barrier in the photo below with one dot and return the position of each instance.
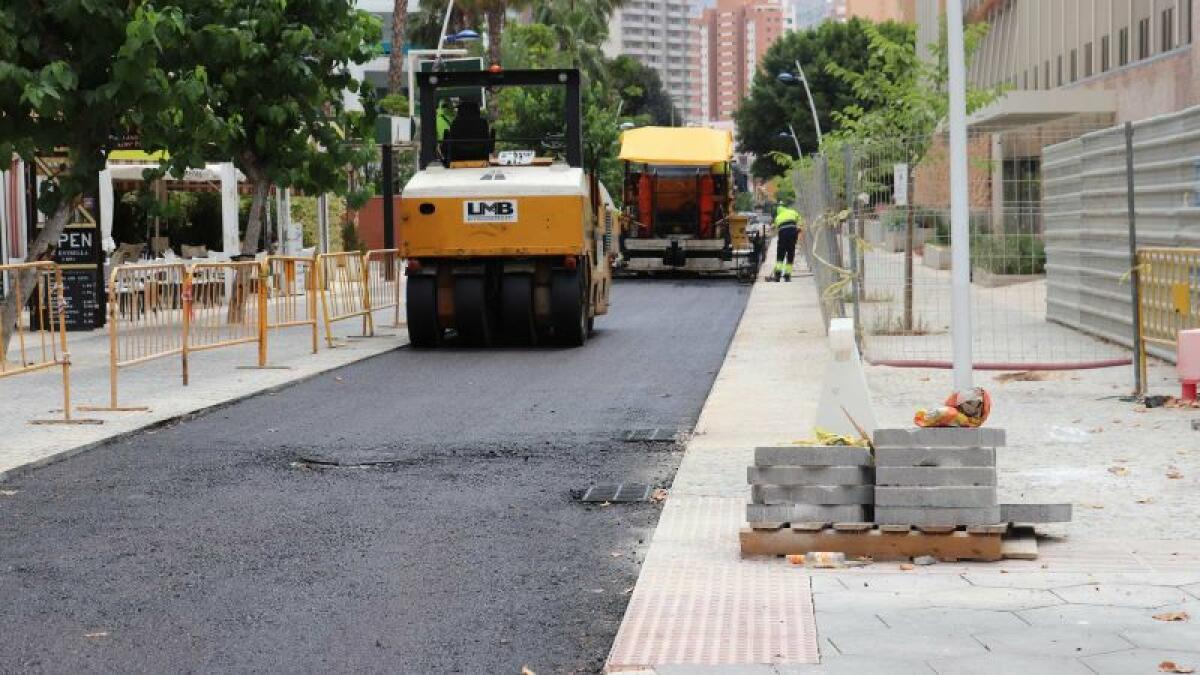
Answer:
(224, 307)
(146, 313)
(37, 330)
(383, 281)
(344, 293)
(287, 298)
(1168, 296)
(166, 309)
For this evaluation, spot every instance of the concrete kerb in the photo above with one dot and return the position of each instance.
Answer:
(173, 419)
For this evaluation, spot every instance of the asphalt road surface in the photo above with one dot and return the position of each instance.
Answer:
(415, 513)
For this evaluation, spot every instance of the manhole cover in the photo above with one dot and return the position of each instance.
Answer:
(652, 435)
(621, 492)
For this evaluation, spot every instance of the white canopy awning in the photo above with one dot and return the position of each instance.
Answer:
(225, 174)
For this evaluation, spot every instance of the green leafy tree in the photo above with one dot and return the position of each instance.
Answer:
(642, 91)
(901, 101)
(772, 105)
(899, 95)
(77, 76)
(276, 73)
(532, 112)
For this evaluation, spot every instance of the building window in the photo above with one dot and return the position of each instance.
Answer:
(1123, 46)
(1046, 74)
(1168, 29)
(1143, 47)
(1087, 60)
(1074, 65)
(1105, 57)
(1186, 17)
(1035, 78)
(1025, 80)
(1058, 71)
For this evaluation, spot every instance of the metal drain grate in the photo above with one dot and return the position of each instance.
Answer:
(652, 435)
(621, 492)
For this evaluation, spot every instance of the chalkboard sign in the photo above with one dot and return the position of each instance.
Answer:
(77, 253)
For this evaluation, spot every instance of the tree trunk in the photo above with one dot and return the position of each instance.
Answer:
(495, 30)
(260, 187)
(37, 251)
(396, 58)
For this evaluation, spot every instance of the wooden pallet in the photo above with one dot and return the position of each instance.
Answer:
(881, 542)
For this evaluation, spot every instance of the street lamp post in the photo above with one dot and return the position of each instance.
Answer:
(791, 133)
(960, 241)
(789, 78)
(445, 27)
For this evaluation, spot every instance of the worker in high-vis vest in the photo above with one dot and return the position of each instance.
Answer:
(787, 226)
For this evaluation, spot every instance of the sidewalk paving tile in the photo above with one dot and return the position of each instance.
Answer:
(1156, 577)
(938, 618)
(1053, 641)
(993, 598)
(1139, 661)
(859, 665)
(832, 624)
(1008, 664)
(1194, 589)
(1174, 636)
(906, 643)
(827, 583)
(908, 582)
(1034, 580)
(868, 602)
(1100, 616)
(1122, 595)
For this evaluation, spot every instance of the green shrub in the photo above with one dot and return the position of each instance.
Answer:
(1009, 254)
(895, 218)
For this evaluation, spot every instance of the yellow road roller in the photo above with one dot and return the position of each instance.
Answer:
(508, 240)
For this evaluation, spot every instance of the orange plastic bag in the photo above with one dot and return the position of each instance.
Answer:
(969, 409)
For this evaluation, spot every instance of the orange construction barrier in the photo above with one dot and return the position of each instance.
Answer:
(36, 331)
(287, 297)
(145, 320)
(344, 291)
(383, 280)
(224, 307)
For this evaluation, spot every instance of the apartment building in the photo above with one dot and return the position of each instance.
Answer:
(805, 14)
(731, 39)
(874, 10)
(658, 33)
(1142, 51)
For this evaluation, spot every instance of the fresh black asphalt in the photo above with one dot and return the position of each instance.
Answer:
(228, 542)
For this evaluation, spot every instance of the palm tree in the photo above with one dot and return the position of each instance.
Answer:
(396, 58)
(493, 13)
(581, 27)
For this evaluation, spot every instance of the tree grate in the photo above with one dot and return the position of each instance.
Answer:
(619, 493)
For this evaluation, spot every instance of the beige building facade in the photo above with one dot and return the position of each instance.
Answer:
(658, 33)
(1142, 51)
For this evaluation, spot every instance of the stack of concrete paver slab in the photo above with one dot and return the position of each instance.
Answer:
(792, 484)
(936, 476)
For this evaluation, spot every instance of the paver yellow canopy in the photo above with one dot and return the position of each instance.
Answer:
(677, 146)
(503, 244)
(678, 195)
